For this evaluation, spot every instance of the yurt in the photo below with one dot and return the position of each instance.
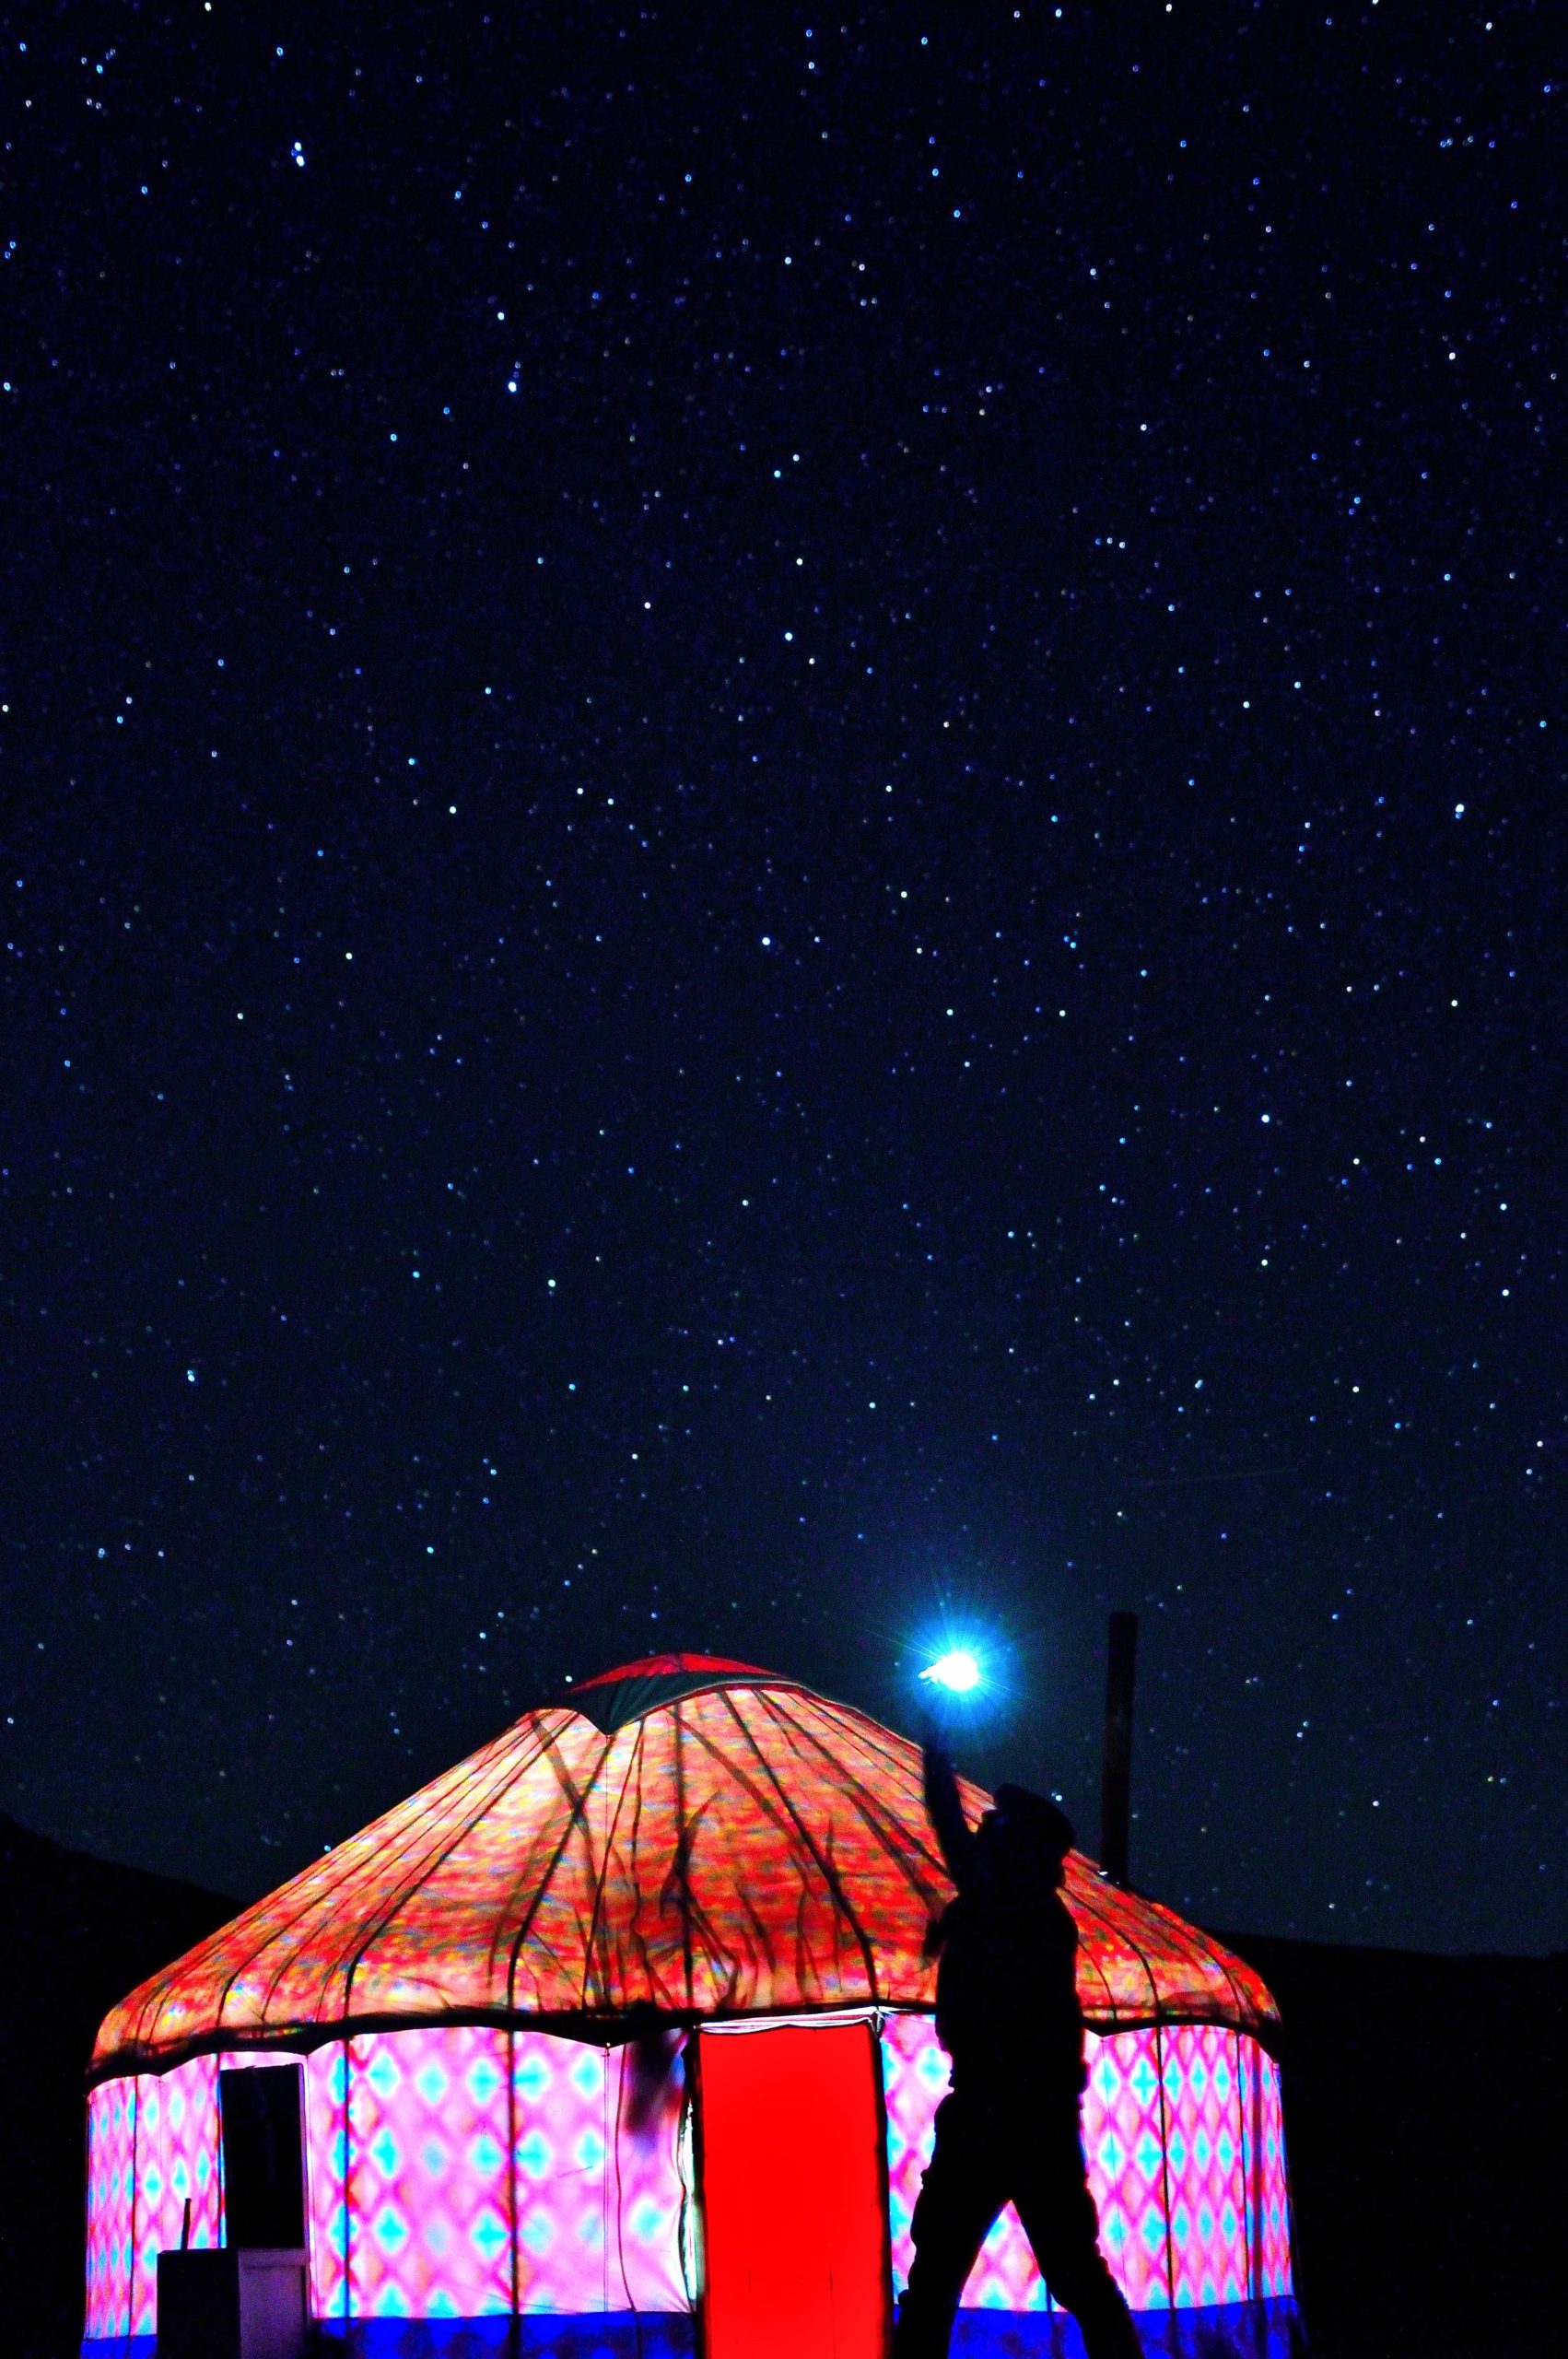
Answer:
(617, 2039)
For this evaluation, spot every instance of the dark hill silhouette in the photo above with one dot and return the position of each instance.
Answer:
(1425, 2108)
(76, 1934)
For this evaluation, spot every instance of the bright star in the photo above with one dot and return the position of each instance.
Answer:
(957, 1671)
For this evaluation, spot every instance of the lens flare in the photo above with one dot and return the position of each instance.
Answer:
(957, 1671)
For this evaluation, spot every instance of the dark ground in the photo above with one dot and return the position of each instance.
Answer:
(1425, 2100)
(76, 1934)
(1424, 2119)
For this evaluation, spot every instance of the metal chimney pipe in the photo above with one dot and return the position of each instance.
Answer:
(1116, 1778)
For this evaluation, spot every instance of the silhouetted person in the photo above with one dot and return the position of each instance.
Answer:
(1007, 2013)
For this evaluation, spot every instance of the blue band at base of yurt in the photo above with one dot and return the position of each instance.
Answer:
(1230, 2331)
(611, 2334)
(1236, 2331)
(615, 2334)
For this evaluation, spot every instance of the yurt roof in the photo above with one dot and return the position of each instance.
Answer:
(685, 1835)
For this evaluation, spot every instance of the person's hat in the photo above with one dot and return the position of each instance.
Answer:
(1040, 1820)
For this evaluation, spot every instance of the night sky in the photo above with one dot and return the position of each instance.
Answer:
(783, 867)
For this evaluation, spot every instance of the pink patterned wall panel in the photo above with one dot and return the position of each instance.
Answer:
(914, 2082)
(326, 2167)
(176, 2142)
(1123, 2143)
(1273, 2191)
(1203, 2126)
(146, 2135)
(1006, 2277)
(582, 2245)
(110, 2183)
(562, 2250)
(644, 2203)
(1249, 2098)
(430, 2197)
(427, 2227)
(190, 2156)
(152, 2143)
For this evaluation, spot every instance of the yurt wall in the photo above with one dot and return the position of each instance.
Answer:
(461, 2172)
(451, 2172)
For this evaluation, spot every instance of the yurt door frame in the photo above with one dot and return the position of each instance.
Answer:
(791, 2147)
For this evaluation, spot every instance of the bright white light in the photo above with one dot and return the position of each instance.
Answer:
(957, 1671)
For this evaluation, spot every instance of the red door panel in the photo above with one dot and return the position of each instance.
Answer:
(794, 2218)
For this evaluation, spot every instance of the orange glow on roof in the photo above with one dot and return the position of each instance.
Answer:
(740, 1846)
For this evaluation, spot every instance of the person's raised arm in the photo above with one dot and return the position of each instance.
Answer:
(945, 1809)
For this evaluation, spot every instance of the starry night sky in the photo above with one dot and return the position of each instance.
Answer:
(784, 867)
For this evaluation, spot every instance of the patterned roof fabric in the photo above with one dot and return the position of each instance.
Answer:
(741, 1846)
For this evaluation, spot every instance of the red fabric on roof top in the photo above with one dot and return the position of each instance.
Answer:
(653, 1666)
(743, 1851)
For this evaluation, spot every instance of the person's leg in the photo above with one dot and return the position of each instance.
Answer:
(1050, 2189)
(959, 2198)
